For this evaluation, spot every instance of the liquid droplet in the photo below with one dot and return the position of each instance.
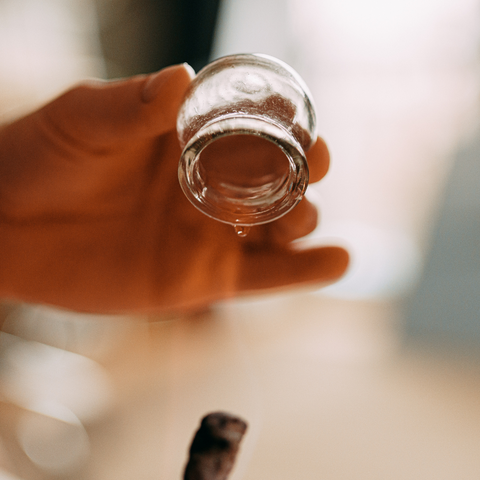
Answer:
(241, 230)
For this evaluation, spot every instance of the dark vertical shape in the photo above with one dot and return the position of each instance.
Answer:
(199, 19)
(146, 35)
(214, 447)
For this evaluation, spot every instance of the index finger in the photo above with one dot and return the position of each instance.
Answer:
(318, 159)
(101, 112)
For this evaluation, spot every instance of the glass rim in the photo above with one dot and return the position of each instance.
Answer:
(298, 175)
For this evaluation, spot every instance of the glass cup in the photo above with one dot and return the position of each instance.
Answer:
(244, 126)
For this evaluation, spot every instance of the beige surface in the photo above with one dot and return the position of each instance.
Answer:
(327, 390)
(325, 387)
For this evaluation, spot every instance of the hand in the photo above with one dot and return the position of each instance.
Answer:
(92, 217)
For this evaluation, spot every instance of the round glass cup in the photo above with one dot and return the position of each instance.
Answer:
(244, 126)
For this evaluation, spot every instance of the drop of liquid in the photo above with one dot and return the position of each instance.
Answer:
(241, 230)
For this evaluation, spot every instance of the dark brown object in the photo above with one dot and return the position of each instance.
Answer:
(214, 447)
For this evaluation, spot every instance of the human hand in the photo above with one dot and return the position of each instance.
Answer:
(92, 217)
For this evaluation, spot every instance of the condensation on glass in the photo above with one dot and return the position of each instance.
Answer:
(244, 126)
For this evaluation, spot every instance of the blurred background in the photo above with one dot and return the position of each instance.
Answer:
(375, 377)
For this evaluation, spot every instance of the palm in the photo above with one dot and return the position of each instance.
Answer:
(101, 223)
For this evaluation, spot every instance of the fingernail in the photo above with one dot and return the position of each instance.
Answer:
(154, 84)
(190, 70)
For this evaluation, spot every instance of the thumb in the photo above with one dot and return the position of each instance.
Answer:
(281, 267)
(99, 112)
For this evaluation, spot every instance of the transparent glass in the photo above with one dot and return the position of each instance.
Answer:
(244, 126)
